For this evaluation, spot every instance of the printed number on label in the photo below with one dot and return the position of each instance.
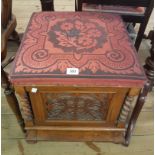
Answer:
(72, 71)
(34, 90)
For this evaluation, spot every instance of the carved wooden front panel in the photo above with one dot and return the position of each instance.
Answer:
(77, 106)
(82, 107)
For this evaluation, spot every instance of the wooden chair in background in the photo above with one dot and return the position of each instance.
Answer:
(133, 11)
(8, 26)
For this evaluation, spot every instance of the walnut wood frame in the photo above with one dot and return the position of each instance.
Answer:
(72, 132)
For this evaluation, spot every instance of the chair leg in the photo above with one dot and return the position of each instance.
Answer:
(79, 5)
(47, 5)
(140, 36)
(11, 98)
(136, 112)
(76, 5)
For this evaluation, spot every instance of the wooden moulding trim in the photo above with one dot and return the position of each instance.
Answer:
(74, 128)
(78, 82)
(109, 136)
(29, 123)
(76, 89)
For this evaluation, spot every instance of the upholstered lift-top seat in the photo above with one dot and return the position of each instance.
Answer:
(76, 74)
(117, 9)
(96, 44)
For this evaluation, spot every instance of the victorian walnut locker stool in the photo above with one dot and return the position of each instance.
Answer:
(76, 74)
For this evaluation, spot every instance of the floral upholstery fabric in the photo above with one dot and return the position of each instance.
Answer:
(96, 44)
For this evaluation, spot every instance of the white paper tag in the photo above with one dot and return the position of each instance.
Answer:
(72, 71)
(34, 90)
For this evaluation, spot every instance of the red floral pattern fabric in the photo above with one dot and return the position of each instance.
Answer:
(76, 35)
(95, 43)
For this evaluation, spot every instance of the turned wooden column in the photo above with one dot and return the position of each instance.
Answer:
(125, 111)
(47, 5)
(27, 113)
(139, 104)
(11, 98)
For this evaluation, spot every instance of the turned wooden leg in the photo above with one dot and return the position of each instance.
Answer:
(136, 112)
(27, 113)
(11, 98)
(124, 114)
(126, 109)
(47, 5)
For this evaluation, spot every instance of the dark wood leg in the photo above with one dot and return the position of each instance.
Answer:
(76, 5)
(79, 5)
(149, 63)
(47, 5)
(136, 112)
(11, 98)
(140, 36)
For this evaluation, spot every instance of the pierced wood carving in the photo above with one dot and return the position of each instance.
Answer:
(81, 107)
(126, 109)
(26, 107)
